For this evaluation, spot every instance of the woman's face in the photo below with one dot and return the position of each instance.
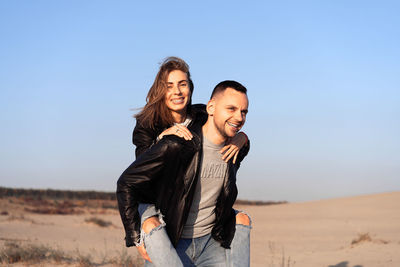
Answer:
(178, 92)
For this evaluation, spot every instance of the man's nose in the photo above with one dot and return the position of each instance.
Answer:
(239, 116)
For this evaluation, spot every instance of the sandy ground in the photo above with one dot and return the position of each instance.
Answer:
(318, 233)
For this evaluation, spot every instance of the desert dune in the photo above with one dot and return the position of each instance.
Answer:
(344, 232)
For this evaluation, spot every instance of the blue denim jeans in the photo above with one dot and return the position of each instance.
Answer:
(201, 251)
(240, 246)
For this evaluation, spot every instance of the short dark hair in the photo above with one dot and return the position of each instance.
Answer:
(222, 86)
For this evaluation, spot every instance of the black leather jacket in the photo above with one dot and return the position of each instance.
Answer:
(143, 137)
(166, 175)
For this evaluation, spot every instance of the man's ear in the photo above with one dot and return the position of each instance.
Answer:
(211, 107)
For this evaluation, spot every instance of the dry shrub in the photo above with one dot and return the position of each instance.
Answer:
(54, 210)
(30, 254)
(20, 217)
(363, 237)
(14, 252)
(124, 259)
(98, 221)
(109, 205)
(46, 207)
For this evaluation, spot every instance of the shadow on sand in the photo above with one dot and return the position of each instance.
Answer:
(344, 264)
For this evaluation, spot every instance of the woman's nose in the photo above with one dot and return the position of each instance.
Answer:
(177, 90)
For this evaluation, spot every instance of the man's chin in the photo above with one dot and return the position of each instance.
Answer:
(231, 134)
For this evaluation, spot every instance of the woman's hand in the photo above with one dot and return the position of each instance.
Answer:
(143, 252)
(233, 147)
(178, 130)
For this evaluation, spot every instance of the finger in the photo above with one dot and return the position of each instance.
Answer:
(224, 149)
(187, 136)
(146, 257)
(228, 157)
(176, 131)
(229, 151)
(185, 131)
(235, 157)
(229, 154)
(143, 253)
(183, 135)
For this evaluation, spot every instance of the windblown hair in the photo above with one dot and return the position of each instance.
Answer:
(155, 112)
(222, 86)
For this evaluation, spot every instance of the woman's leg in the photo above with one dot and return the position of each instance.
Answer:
(155, 239)
(240, 247)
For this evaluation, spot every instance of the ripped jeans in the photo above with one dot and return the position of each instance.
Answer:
(201, 251)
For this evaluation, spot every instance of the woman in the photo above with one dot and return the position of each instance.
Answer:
(169, 111)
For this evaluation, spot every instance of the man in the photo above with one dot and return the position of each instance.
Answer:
(193, 190)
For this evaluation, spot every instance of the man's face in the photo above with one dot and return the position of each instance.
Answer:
(229, 110)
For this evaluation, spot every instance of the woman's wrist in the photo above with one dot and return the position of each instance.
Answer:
(245, 135)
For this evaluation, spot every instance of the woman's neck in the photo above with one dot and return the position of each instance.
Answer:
(179, 117)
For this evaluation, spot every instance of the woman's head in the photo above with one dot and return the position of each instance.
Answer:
(170, 95)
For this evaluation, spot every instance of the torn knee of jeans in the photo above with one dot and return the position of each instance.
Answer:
(143, 234)
(243, 218)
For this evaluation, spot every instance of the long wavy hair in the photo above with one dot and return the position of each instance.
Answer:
(155, 112)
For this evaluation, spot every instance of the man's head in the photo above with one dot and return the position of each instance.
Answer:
(226, 110)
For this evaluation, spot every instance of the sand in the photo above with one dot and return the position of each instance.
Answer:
(317, 233)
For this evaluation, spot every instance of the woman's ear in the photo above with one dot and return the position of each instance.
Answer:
(211, 107)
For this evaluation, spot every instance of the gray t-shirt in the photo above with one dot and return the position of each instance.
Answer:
(213, 173)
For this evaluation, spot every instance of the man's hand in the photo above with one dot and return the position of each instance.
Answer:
(143, 252)
(178, 130)
(233, 147)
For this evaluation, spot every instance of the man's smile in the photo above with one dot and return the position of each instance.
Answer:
(234, 125)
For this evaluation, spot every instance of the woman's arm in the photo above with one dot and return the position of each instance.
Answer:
(143, 138)
(135, 186)
(237, 147)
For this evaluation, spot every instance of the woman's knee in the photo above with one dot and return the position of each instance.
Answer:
(242, 218)
(150, 223)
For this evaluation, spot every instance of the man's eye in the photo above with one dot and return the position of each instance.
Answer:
(183, 84)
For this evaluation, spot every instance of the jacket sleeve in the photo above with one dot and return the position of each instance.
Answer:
(143, 138)
(243, 153)
(135, 185)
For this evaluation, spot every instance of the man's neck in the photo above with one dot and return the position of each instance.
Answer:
(212, 134)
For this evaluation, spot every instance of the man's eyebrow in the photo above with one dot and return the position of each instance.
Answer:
(233, 106)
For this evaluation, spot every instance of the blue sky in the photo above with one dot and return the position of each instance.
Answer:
(323, 81)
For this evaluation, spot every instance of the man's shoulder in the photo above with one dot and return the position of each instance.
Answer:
(176, 144)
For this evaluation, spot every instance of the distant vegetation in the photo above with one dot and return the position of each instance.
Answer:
(39, 194)
(55, 194)
(258, 202)
(35, 254)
